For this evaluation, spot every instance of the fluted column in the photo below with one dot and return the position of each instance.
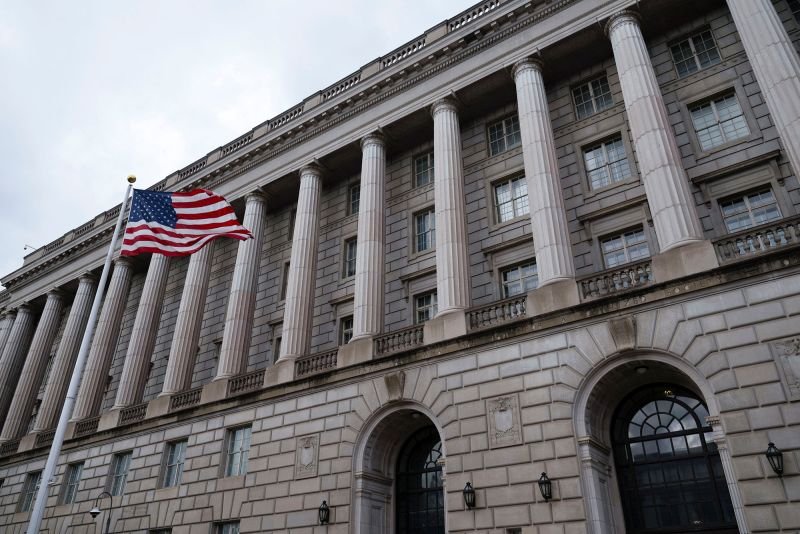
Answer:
(6, 322)
(58, 381)
(370, 259)
(106, 336)
(548, 216)
(242, 301)
(143, 334)
(30, 379)
(13, 356)
(776, 66)
(664, 178)
(452, 267)
(183, 352)
(299, 311)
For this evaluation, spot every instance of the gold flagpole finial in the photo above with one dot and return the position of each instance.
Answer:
(131, 178)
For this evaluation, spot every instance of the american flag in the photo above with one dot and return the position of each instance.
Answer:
(178, 224)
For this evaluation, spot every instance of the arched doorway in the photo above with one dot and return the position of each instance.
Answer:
(399, 476)
(669, 471)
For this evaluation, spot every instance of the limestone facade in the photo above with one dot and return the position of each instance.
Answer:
(628, 151)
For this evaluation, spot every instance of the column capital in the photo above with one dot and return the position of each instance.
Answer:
(373, 138)
(55, 293)
(255, 196)
(525, 63)
(23, 307)
(621, 17)
(447, 103)
(123, 261)
(311, 168)
(8, 313)
(87, 277)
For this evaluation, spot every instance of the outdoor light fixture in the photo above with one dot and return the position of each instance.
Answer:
(775, 458)
(469, 496)
(546, 487)
(324, 513)
(95, 511)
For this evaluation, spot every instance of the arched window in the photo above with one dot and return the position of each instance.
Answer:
(420, 498)
(670, 474)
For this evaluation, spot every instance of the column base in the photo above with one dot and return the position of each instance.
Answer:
(280, 373)
(158, 407)
(552, 297)
(109, 420)
(27, 442)
(214, 391)
(448, 325)
(684, 261)
(355, 352)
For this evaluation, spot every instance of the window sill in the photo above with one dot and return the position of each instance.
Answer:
(591, 194)
(701, 155)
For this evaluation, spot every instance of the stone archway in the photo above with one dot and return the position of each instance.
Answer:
(599, 395)
(375, 459)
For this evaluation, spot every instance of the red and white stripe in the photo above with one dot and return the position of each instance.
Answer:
(202, 217)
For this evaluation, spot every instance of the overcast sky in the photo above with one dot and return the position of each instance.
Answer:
(92, 91)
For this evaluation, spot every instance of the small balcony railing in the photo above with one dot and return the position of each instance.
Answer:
(133, 414)
(246, 382)
(759, 240)
(623, 278)
(9, 447)
(185, 399)
(315, 363)
(87, 426)
(399, 340)
(45, 438)
(496, 313)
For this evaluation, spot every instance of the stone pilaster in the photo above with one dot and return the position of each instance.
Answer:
(30, 379)
(183, 352)
(370, 248)
(664, 178)
(776, 66)
(143, 334)
(6, 322)
(299, 311)
(64, 362)
(242, 301)
(106, 335)
(548, 216)
(13, 356)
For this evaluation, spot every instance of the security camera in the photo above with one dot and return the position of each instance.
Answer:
(94, 512)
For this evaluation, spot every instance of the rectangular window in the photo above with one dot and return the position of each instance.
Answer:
(353, 199)
(119, 473)
(504, 135)
(519, 279)
(695, 53)
(238, 451)
(749, 210)
(173, 468)
(276, 348)
(718, 121)
(592, 97)
(345, 330)
(511, 199)
(624, 248)
(284, 280)
(423, 169)
(349, 267)
(71, 481)
(425, 307)
(425, 230)
(230, 527)
(606, 163)
(29, 489)
(292, 219)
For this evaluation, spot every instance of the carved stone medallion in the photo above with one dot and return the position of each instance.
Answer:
(503, 421)
(787, 353)
(306, 457)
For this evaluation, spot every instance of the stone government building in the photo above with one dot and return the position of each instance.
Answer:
(550, 237)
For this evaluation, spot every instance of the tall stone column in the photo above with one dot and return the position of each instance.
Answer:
(143, 334)
(548, 216)
(776, 66)
(183, 353)
(13, 356)
(452, 266)
(106, 336)
(6, 322)
(370, 259)
(299, 311)
(58, 382)
(242, 301)
(30, 380)
(665, 181)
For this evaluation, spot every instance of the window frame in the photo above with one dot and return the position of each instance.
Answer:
(506, 135)
(30, 486)
(70, 483)
(114, 476)
(220, 527)
(346, 260)
(517, 265)
(690, 38)
(603, 141)
(430, 170)
(413, 235)
(353, 205)
(284, 281)
(713, 102)
(745, 195)
(166, 465)
(592, 97)
(342, 330)
(244, 454)
(495, 209)
(434, 305)
(621, 233)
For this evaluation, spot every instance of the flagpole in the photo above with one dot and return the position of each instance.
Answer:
(66, 412)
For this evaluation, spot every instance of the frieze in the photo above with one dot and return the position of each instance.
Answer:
(503, 421)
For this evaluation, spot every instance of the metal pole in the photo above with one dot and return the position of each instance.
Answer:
(66, 412)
